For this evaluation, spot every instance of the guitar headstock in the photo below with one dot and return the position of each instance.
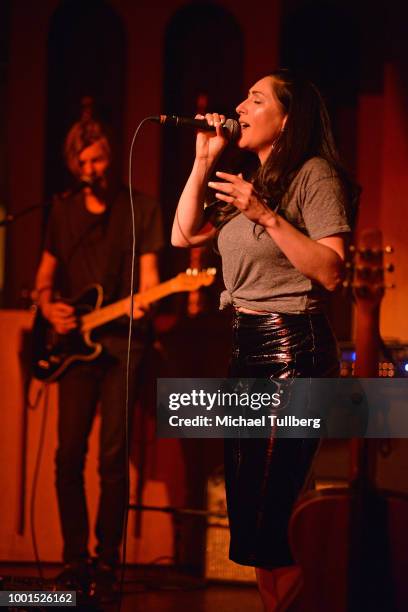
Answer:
(192, 279)
(366, 269)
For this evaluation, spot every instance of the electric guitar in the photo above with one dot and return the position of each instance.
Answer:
(53, 352)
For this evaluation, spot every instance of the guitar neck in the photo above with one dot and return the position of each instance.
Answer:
(369, 289)
(368, 342)
(113, 311)
(363, 452)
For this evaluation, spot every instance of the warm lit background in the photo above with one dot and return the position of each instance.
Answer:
(140, 58)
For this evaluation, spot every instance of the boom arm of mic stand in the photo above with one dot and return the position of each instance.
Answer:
(11, 217)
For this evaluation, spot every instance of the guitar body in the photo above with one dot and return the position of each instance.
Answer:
(343, 576)
(53, 353)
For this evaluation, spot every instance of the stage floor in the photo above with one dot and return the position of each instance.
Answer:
(158, 589)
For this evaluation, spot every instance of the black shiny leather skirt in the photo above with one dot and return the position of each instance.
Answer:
(265, 476)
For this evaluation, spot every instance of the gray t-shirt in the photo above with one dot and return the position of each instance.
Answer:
(257, 274)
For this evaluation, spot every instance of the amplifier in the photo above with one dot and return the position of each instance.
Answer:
(393, 361)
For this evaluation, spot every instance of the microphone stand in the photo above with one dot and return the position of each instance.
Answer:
(11, 217)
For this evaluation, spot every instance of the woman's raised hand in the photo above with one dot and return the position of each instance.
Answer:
(235, 190)
(209, 145)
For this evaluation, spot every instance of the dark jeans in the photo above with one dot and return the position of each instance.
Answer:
(80, 390)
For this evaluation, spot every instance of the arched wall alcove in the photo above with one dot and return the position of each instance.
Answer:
(86, 57)
(321, 42)
(203, 70)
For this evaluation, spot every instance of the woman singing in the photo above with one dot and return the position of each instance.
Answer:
(281, 238)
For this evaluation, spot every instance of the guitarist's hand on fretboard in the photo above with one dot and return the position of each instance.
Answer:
(140, 310)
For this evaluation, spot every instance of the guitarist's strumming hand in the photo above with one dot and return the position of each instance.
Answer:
(60, 315)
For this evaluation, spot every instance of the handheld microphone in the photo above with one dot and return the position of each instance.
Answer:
(231, 126)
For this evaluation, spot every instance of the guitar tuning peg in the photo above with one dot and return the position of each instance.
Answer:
(194, 271)
(346, 284)
(348, 265)
(352, 248)
(388, 249)
(368, 254)
(390, 267)
(188, 271)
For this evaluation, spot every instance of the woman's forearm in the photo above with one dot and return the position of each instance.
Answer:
(319, 262)
(189, 217)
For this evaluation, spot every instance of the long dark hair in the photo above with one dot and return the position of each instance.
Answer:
(307, 133)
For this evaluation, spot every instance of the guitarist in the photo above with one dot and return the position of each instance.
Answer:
(89, 240)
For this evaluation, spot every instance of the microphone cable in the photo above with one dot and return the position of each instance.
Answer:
(128, 360)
